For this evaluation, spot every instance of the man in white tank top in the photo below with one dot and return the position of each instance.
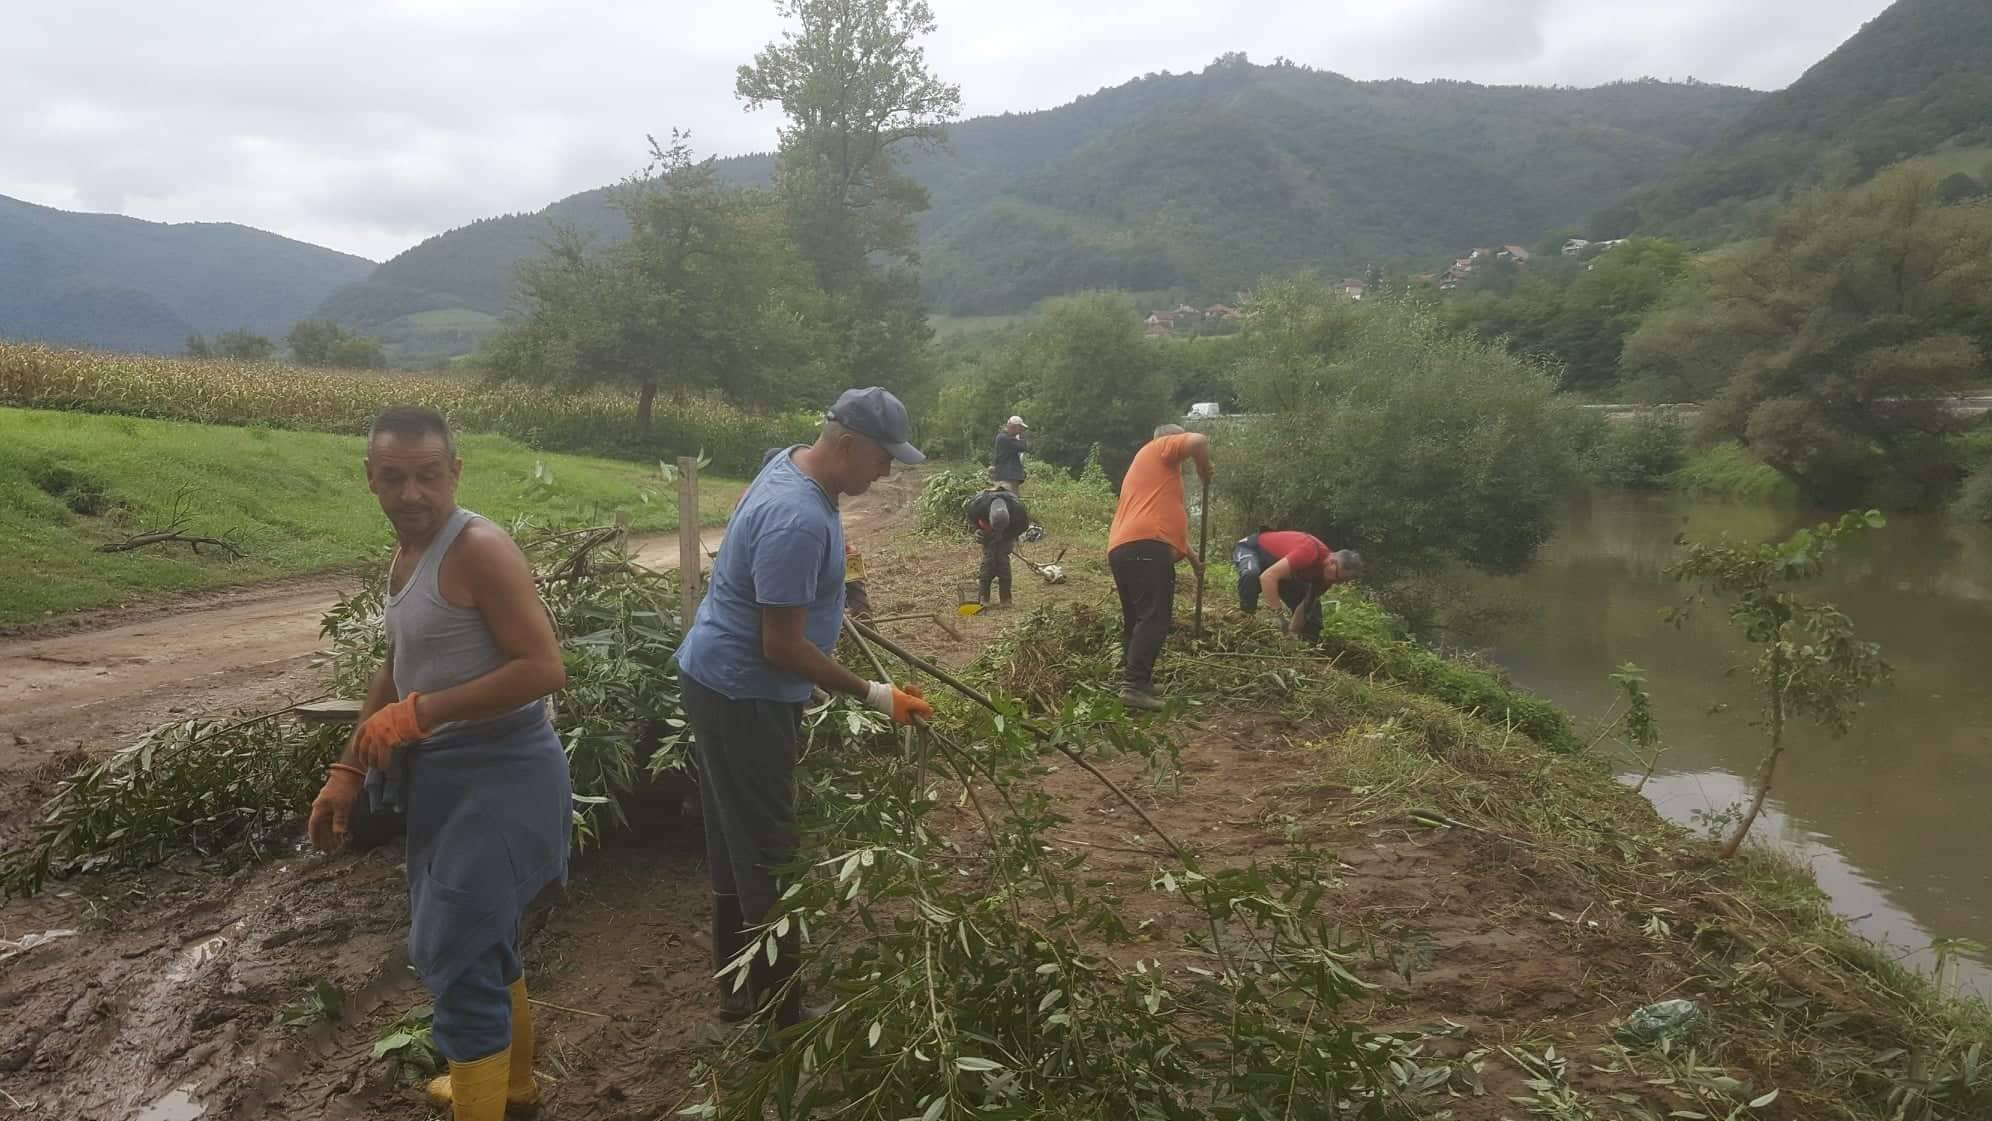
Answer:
(453, 720)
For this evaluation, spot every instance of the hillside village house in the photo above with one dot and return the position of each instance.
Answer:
(1578, 247)
(1183, 317)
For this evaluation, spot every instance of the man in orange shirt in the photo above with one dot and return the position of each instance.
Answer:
(1151, 531)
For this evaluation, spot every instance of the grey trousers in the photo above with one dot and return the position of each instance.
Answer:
(746, 752)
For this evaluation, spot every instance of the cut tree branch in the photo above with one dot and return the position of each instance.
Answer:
(167, 536)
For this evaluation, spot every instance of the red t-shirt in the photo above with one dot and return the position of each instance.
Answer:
(1306, 552)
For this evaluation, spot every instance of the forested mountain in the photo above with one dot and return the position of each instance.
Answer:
(125, 284)
(1916, 78)
(1204, 183)
(1197, 182)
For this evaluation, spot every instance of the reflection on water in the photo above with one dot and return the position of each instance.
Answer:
(1896, 817)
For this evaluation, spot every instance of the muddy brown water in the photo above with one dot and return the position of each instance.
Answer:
(1896, 817)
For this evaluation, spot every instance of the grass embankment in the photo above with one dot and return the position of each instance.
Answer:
(271, 395)
(1522, 903)
(294, 502)
(1076, 514)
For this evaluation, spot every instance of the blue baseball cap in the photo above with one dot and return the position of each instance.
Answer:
(878, 416)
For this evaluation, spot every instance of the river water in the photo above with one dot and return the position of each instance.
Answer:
(1896, 817)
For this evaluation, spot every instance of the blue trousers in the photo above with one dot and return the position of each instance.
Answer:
(474, 1015)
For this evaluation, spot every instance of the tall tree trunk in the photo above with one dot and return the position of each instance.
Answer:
(1768, 768)
(646, 397)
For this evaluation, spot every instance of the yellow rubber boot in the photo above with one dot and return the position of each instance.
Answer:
(477, 1089)
(522, 1092)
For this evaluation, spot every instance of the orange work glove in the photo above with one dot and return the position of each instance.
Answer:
(333, 807)
(909, 704)
(393, 727)
(904, 705)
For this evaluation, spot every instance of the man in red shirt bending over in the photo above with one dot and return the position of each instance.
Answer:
(1293, 568)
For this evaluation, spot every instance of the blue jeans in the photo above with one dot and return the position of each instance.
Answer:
(474, 1015)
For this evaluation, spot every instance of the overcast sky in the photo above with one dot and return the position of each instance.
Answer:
(367, 125)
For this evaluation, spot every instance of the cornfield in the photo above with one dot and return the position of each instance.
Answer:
(599, 422)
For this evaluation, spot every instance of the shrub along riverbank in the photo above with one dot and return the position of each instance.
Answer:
(292, 502)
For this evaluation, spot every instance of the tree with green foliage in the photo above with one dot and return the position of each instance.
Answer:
(1087, 377)
(323, 343)
(1199, 369)
(1811, 664)
(1418, 445)
(707, 295)
(1838, 340)
(853, 81)
(1574, 314)
(244, 345)
(1083, 374)
(197, 347)
(1639, 452)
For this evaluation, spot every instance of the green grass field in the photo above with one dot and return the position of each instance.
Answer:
(296, 502)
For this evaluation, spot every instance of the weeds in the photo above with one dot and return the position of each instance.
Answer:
(410, 1042)
(325, 1003)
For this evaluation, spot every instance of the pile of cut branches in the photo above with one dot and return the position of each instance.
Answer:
(228, 791)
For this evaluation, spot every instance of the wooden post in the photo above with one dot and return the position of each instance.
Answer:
(691, 578)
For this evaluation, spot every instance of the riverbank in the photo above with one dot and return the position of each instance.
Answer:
(1890, 814)
(1323, 882)
(293, 503)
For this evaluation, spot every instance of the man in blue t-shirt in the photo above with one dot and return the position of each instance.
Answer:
(762, 639)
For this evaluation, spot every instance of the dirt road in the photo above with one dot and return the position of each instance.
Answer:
(70, 691)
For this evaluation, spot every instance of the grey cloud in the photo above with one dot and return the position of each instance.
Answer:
(371, 124)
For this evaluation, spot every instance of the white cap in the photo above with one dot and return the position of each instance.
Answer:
(1018, 421)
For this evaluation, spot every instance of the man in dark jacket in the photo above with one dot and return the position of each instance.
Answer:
(1006, 464)
(998, 518)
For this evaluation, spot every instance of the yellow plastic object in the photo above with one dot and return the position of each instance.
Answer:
(477, 1089)
(854, 566)
(522, 1092)
(967, 609)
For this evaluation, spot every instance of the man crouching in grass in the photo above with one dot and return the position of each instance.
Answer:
(457, 731)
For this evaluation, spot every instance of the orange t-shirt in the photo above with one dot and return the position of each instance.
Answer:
(1151, 498)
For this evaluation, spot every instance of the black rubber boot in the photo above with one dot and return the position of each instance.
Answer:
(735, 1004)
(776, 986)
(783, 988)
